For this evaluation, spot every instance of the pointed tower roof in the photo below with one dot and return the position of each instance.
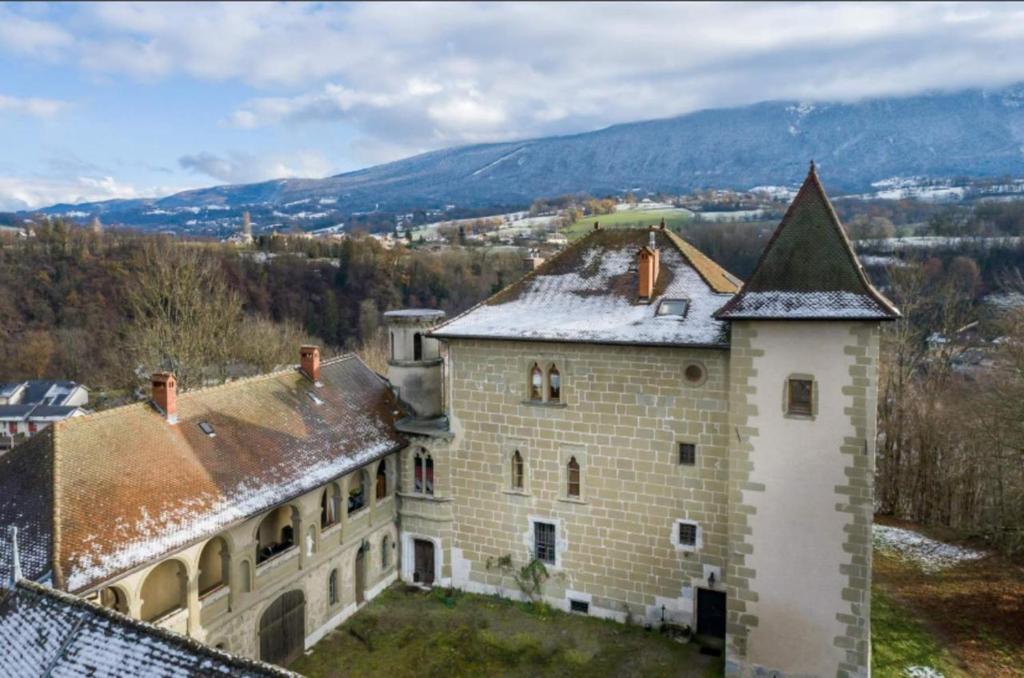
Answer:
(808, 270)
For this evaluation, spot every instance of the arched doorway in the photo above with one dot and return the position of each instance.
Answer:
(361, 575)
(283, 629)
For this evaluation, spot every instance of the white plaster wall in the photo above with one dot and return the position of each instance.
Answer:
(797, 535)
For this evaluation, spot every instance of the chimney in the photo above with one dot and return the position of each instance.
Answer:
(165, 395)
(310, 356)
(649, 265)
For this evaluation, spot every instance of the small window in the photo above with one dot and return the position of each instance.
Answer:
(544, 542)
(423, 473)
(801, 396)
(382, 479)
(207, 428)
(385, 552)
(392, 335)
(554, 384)
(417, 346)
(687, 534)
(517, 471)
(694, 373)
(332, 587)
(536, 383)
(580, 606)
(675, 308)
(687, 454)
(573, 478)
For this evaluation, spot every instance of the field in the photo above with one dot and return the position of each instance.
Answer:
(629, 219)
(410, 632)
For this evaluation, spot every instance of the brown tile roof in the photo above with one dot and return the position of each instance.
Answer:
(44, 632)
(130, 488)
(808, 269)
(588, 292)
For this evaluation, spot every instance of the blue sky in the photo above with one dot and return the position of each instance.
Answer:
(114, 100)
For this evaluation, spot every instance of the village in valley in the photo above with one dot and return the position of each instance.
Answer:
(429, 357)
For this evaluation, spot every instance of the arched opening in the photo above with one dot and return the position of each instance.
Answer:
(330, 506)
(423, 472)
(213, 566)
(382, 479)
(573, 477)
(360, 566)
(536, 383)
(357, 491)
(276, 533)
(113, 597)
(332, 587)
(163, 592)
(283, 629)
(385, 552)
(517, 471)
(554, 385)
(417, 346)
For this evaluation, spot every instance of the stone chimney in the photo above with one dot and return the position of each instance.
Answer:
(165, 395)
(310, 361)
(649, 266)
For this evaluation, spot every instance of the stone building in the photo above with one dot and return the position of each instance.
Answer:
(673, 447)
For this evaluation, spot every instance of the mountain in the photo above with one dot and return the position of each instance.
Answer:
(976, 133)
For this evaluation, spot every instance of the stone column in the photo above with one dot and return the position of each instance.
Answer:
(192, 604)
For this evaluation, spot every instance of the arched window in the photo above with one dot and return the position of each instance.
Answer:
(517, 471)
(417, 346)
(573, 478)
(213, 566)
(382, 479)
(113, 598)
(554, 384)
(385, 552)
(357, 492)
(276, 533)
(423, 475)
(332, 587)
(536, 383)
(330, 506)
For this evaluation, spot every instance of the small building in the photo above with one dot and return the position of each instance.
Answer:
(27, 407)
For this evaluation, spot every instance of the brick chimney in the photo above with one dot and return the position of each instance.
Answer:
(165, 395)
(310, 356)
(649, 266)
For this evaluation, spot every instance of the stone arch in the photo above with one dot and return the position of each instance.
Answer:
(115, 598)
(214, 566)
(277, 532)
(358, 491)
(164, 589)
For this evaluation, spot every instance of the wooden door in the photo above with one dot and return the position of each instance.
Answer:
(710, 613)
(283, 629)
(424, 561)
(360, 576)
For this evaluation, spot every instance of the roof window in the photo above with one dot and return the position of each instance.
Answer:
(673, 308)
(315, 398)
(207, 428)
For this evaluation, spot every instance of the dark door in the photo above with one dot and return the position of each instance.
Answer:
(710, 613)
(360, 576)
(424, 572)
(283, 629)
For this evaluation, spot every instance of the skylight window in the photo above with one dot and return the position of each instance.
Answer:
(673, 308)
(207, 428)
(315, 398)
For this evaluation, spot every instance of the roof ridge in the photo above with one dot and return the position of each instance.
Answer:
(684, 247)
(151, 629)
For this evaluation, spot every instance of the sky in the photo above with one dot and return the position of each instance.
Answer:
(122, 100)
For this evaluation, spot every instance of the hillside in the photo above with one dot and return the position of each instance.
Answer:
(967, 133)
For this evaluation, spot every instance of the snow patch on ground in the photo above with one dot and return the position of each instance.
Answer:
(922, 672)
(930, 554)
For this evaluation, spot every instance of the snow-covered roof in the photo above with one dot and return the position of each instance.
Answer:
(47, 633)
(127, 488)
(589, 293)
(808, 269)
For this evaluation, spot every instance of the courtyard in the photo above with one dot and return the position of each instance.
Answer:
(407, 631)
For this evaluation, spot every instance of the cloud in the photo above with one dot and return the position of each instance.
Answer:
(26, 193)
(35, 107)
(240, 167)
(23, 34)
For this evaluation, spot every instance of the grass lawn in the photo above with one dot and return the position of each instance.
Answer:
(408, 632)
(901, 640)
(629, 219)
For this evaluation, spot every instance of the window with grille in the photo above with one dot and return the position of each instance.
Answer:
(801, 396)
(687, 454)
(573, 478)
(332, 587)
(423, 473)
(687, 534)
(544, 542)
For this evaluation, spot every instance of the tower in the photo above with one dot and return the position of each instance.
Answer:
(803, 387)
(414, 360)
